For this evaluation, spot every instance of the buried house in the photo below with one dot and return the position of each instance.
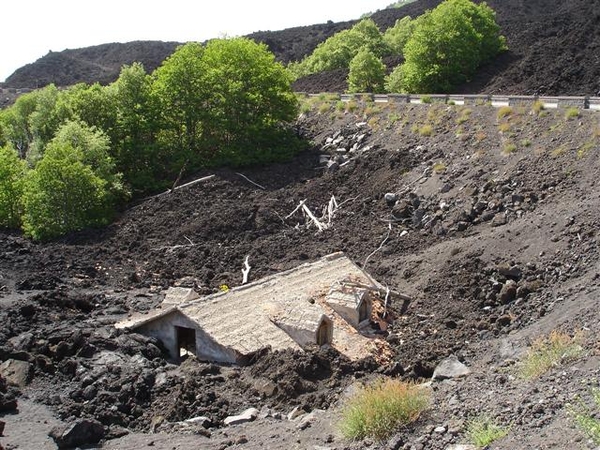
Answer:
(294, 309)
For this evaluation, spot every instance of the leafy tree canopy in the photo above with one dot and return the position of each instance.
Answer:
(12, 171)
(447, 45)
(367, 73)
(337, 51)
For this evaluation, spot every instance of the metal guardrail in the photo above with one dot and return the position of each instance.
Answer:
(585, 102)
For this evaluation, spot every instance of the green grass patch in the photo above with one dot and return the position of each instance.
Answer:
(482, 431)
(351, 106)
(465, 114)
(585, 419)
(509, 148)
(571, 113)
(504, 127)
(537, 107)
(559, 151)
(525, 143)
(426, 99)
(439, 167)
(584, 149)
(378, 409)
(548, 352)
(426, 130)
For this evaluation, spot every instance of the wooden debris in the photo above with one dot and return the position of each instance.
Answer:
(245, 271)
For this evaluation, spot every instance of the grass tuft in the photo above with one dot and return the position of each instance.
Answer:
(378, 409)
(426, 130)
(571, 113)
(482, 431)
(537, 107)
(504, 127)
(504, 111)
(509, 148)
(439, 167)
(584, 417)
(548, 352)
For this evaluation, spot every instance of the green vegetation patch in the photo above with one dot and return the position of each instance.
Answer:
(548, 352)
(378, 409)
(483, 430)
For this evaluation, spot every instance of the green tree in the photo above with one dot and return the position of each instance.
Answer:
(249, 99)
(337, 51)
(181, 90)
(446, 47)
(72, 187)
(12, 172)
(367, 73)
(137, 154)
(397, 36)
(223, 103)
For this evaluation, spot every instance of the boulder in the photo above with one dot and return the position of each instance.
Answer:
(450, 367)
(247, 416)
(17, 373)
(79, 433)
(508, 292)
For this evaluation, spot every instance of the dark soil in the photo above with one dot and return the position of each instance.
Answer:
(496, 248)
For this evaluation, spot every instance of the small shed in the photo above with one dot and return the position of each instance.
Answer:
(281, 311)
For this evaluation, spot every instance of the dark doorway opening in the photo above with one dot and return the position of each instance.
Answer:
(186, 341)
(323, 333)
(363, 311)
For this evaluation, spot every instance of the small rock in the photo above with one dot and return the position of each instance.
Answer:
(2, 424)
(450, 367)
(200, 420)
(332, 166)
(509, 271)
(508, 292)
(390, 198)
(82, 432)
(439, 430)
(246, 416)
(17, 373)
(498, 220)
(295, 413)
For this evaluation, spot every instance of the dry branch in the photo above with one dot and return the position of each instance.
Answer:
(380, 246)
(245, 271)
(250, 181)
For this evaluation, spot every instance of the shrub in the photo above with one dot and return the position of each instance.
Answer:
(526, 143)
(426, 99)
(12, 171)
(482, 431)
(377, 410)
(549, 352)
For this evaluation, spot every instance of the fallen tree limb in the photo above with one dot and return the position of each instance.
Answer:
(174, 189)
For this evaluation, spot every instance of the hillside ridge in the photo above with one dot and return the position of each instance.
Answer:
(554, 49)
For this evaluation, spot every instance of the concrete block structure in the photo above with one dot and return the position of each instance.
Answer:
(290, 310)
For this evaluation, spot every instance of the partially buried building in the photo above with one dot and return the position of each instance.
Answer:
(294, 309)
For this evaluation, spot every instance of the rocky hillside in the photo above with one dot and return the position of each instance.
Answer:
(487, 218)
(554, 47)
